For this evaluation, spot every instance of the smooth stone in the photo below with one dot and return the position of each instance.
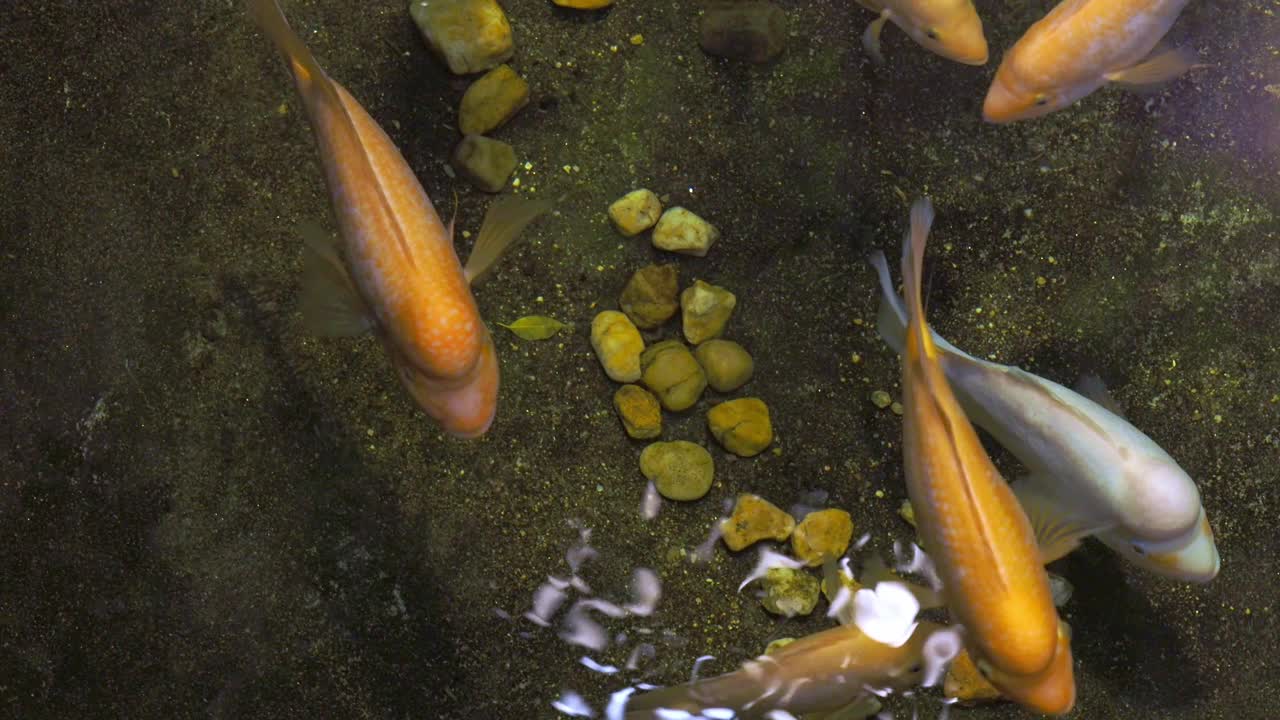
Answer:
(741, 426)
(635, 212)
(649, 298)
(751, 31)
(965, 682)
(679, 230)
(705, 310)
(755, 519)
(492, 100)
(471, 36)
(728, 365)
(486, 162)
(681, 470)
(822, 534)
(640, 412)
(789, 591)
(673, 374)
(618, 345)
(881, 399)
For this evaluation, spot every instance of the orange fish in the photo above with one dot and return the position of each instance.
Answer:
(1080, 46)
(394, 271)
(950, 28)
(971, 524)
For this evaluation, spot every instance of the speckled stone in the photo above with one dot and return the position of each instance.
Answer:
(755, 519)
(822, 534)
(681, 470)
(640, 412)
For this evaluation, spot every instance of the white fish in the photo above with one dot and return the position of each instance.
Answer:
(1091, 469)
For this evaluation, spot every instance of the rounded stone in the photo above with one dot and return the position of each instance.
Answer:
(649, 298)
(618, 345)
(789, 591)
(639, 410)
(705, 310)
(635, 212)
(673, 374)
(822, 534)
(728, 365)
(681, 470)
(741, 426)
(492, 100)
(755, 519)
(681, 231)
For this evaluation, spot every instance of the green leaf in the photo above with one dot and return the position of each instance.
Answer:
(535, 327)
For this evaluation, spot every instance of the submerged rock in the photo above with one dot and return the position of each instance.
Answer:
(618, 345)
(635, 212)
(741, 426)
(486, 162)
(672, 373)
(755, 519)
(965, 682)
(705, 310)
(471, 36)
(641, 415)
(822, 534)
(681, 470)
(679, 230)
(727, 364)
(492, 100)
(789, 592)
(750, 30)
(649, 298)
(583, 4)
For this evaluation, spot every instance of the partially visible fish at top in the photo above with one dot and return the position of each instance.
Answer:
(1091, 470)
(950, 28)
(1080, 46)
(971, 524)
(394, 270)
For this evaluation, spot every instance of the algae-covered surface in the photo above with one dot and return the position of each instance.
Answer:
(205, 512)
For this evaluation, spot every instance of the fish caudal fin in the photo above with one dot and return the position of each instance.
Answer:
(1058, 532)
(871, 37)
(330, 305)
(503, 223)
(1161, 66)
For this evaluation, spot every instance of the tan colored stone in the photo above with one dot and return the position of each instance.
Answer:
(486, 162)
(822, 534)
(471, 36)
(583, 4)
(680, 470)
(492, 100)
(635, 212)
(705, 310)
(741, 426)
(728, 365)
(618, 345)
(649, 298)
(755, 519)
(965, 682)
(672, 373)
(789, 591)
(640, 412)
(679, 230)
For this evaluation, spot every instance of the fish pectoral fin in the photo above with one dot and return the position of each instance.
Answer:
(1092, 387)
(1160, 66)
(871, 37)
(330, 305)
(503, 223)
(1058, 532)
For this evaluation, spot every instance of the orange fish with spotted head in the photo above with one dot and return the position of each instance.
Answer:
(394, 270)
(972, 525)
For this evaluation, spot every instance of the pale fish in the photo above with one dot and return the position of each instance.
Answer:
(950, 28)
(982, 545)
(1091, 470)
(394, 270)
(1080, 46)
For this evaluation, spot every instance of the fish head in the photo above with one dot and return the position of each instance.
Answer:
(1014, 96)
(950, 28)
(1192, 557)
(465, 405)
(1051, 691)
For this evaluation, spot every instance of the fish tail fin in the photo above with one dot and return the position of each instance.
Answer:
(913, 267)
(891, 319)
(270, 18)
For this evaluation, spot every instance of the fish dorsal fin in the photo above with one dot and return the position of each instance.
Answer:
(1058, 531)
(1162, 65)
(1058, 395)
(330, 305)
(1092, 387)
(503, 223)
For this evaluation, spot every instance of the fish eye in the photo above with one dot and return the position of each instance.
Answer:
(1042, 100)
(915, 668)
(1139, 550)
(931, 33)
